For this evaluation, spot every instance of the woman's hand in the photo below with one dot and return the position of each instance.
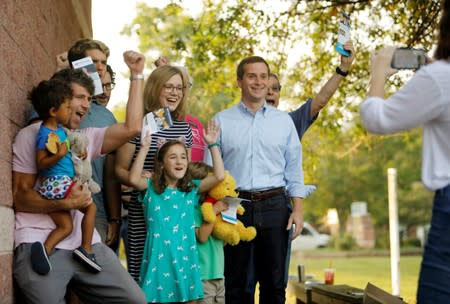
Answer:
(211, 132)
(381, 62)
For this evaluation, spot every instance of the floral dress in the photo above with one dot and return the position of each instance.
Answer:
(170, 267)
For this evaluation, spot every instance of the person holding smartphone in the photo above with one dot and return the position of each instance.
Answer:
(424, 100)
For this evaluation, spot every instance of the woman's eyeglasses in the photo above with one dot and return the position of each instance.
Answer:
(171, 88)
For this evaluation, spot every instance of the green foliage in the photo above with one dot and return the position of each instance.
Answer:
(411, 242)
(344, 243)
(339, 156)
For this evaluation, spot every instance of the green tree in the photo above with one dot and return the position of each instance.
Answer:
(344, 161)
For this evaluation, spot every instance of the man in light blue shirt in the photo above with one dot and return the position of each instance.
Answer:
(260, 148)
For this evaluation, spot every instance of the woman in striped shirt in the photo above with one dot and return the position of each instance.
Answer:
(166, 87)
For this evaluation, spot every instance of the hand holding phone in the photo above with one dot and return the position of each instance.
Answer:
(408, 59)
(343, 34)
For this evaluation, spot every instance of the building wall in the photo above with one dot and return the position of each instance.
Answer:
(32, 33)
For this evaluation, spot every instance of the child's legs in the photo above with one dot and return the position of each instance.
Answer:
(214, 291)
(63, 222)
(87, 227)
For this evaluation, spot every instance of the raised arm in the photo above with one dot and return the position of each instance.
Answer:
(136, 180)
(118, 134)
(211, 135)
(327, 91)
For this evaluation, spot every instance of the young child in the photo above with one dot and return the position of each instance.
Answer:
(210, 249)
(170, 269)
(51, 99)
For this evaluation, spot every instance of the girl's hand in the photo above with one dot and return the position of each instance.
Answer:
(146, 141)
(211, 132)
(146, 174)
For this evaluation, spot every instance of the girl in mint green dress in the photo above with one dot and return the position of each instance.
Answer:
(170, 267)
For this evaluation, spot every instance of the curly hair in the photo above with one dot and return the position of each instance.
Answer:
(76, 76)
(49, 94)
(159, 181)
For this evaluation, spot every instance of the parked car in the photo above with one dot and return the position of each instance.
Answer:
(310, 238)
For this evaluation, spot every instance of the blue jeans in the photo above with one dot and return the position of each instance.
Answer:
(434, 276)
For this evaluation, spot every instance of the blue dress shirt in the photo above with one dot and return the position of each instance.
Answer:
(262, 151)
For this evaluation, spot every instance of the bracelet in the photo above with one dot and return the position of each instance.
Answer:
(115, 220)
(216, 144)
(341, 72)
(137, 77)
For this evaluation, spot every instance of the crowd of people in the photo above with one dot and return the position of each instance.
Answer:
(66, 236)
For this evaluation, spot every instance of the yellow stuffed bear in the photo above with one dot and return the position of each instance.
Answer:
(228, 232)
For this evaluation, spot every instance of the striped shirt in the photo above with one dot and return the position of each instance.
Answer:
(136, 223)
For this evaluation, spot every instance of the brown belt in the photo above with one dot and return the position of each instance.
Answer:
(261, 195)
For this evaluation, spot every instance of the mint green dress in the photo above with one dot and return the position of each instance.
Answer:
(170, 269)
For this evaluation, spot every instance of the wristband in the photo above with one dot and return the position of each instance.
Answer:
(341, 72)
(216, 144)
(137, 77)
(115, 220)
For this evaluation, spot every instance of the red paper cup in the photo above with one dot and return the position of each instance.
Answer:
(329, 275)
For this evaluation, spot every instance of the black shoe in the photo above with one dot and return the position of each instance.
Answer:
(39, 259)
(87, 259)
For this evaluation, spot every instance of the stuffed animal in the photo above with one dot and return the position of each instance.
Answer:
(82, 166)
(228, 232)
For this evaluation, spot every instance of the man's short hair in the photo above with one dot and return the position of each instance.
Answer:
(49, 94)
(79, 49)
(252, 59)
(76, 76)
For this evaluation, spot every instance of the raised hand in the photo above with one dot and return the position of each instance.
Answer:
(135, 61)
(211, 132)
(346, 62)
(62, 62)
(161, 61)
(146, 141)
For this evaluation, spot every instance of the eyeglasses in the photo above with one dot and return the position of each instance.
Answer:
(170, 88)
(275, 88)
(108, 86)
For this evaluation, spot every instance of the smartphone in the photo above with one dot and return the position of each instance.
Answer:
(408, 59)
(343, 34)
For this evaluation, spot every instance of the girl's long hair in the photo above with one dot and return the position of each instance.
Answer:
(159, 180)
(443, 47)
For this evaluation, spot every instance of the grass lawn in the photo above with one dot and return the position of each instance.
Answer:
(357, 271)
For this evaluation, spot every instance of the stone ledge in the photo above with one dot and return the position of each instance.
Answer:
(6, 229)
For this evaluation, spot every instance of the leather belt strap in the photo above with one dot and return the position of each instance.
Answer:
(261, 195)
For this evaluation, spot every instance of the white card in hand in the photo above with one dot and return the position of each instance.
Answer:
(230, 215)
(87, 65)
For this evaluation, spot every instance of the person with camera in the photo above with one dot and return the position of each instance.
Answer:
(424, 100)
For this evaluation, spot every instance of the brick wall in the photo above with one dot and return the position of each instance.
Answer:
(32, 33)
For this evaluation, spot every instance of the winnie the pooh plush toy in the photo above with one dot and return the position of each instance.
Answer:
(228, 232)
(82, 166)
